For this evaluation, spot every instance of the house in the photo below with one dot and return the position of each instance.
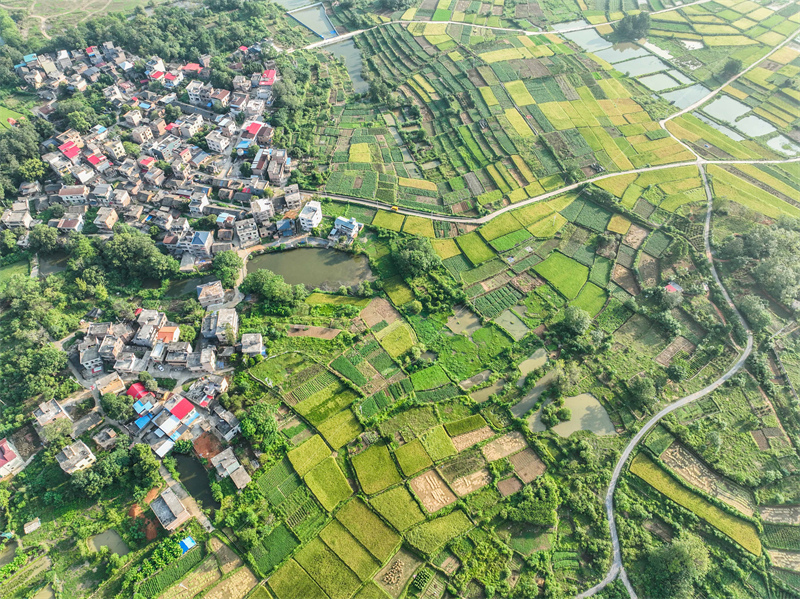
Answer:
(311, 215)
(106, 438)
(252, 344)
(99, 162)
(30, 188)
(89, 358)
(199, 92)
(227, 465)
(75, 457)
(169, 334)
(241, 83)
(197, 203)
(158, 127)
(254, 107)
(132, 118)
(345, 229)
(220, 98)
(10, 461)
(70, 223)
(673, 287)
(73, 194)
(150, 323)
(238, 103)
(169, 510)
(292, 197)
(173, 79)
(32, 526)
(155, 64)
(190, 125)
(120, 198)
(142, 134)
(101, 194)
(210, 293)
(226, 425)
(14, 219)
(216, 324)
(111, 383)
(217, 142)
(247, 232)
(155, 176)
(262, 210)
(203, 361)
(286, 227)
(200, 245)
(110, 348)
(106, 219)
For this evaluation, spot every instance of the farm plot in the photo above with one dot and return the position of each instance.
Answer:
(375, 469)
(679, 344)
(591, 298)
(465, 485)
(278, 483)
(368, 529)
(696, 473)
(324, 404)
(416, 225)
(432, 535)
(379, 310)
(438, 444)
(446, 248)
(328, 571)
(465, 425)
(398, 507)
(509, 486)
(344, 365)
(467, 440)
(742, 532)
(396, 339)
(496, 302)
(429, 378)
(340, 429)
(235, 586)
(292, 582)
(504, 446)
(412, 457)
(328, 484)
(498, 227)
(308, 455)
(564, 273)
(776, 514)
(273, 549)
(432, 491)
(388, 220)
(349, 550)
(398, 291)
(527, 465)
(474, 248)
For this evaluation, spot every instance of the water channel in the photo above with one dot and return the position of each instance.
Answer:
(315, 267)
(315, 19)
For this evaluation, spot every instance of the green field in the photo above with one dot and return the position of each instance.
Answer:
(340, 429)
(438, 444)
(328, 484)
(368, 529)
(305, 457)
(375, 469)
(566, 275)
(412, 457)
(432, 535)
(475, 249)
(398, 507)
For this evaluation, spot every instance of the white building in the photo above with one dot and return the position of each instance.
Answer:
(311, 215)
(217, 142)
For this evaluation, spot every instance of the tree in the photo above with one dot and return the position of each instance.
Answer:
(576, 321)
(227, 265)
(278, 296)
(32, 169)
(133, 255)
(145, 466)
(56, 431)
(540, 500)
(415, 257)
(731, 68)
(677, 371)
(676, 568)
(117, 407)
(755, 311)
(43, 239)
(633, 27)
(643, 390)
(259, 425)
(132, 149)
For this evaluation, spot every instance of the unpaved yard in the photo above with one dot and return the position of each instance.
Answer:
(432, 491)
(509, 486)
(504, 446)
(301, 330)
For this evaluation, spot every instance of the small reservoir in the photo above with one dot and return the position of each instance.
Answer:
(315, 267)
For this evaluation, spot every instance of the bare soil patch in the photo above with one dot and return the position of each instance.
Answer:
(509, 486)
(788, 560)
(236, 586)
(527, 465)
(780, 514)
(226, 558)
(207, 445)
(301, 330)
(504, 446)
(394, 576)
(476, 380)
(648, 269)
(696, 473)
(625, 278)
(526, 282)
(467, 440)
(472, 482)
(432, 491)
(635, 236)
(678, 344)
(26, 442)
(378, 310)
(760, 439)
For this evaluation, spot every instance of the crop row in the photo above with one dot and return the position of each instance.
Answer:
(493, 303)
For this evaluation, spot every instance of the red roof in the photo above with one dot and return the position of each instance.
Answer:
(170, 77)
(156, 74)
(268, 77)
(243, 48)
(169, 127)
(253, 128)
(6, 453)
(94, 159)
(192, 66)
(137, 391)
(182, 409)
(91, 49)
(69, 149)
(146, 161)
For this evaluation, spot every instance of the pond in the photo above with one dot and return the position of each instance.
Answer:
(721, 128)
(726, 109)
(293, 4)
(620, 52)
(641, 66)
(530, 400)
(683, 98)
(52, 263)
(315, 19)
(352, 62)
(463, 322)
(658, 82)
(7, 554)
(482, 395)
(188, 286)
(110, 539)
(315, 267)
(753, 126)
(782, 144)
(536, 360)
(512, 324)
(588, 39)
(588, 414)
(195, 479)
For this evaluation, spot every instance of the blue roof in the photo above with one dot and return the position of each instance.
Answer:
(144, 104)
(138, 407)
(143, 421)
(29, 57)
(187, 544)
(100, 128)
(200, 237)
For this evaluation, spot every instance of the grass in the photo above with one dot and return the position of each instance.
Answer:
(305, 457)
(474, 248)
(399, 508)
(438, 444)
(412, 457)
(564, 273)
(371, 590)
(591, 298)
(368, 529)
(328, 571)
(432, 535)
(465, 425)
(416, 225)
(328, 484)
(375, 469)
(349, 550)
(7, 113)
(398, 340)
(742, 532)
(292, 582)
(17, 268)
(398, 291)
(388, 220)
(429, 378)
(317, 299)
(340, 429)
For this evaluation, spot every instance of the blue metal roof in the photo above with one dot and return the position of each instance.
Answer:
(143, 421)
(187, 544)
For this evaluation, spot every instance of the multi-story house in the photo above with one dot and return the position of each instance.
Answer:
(142, 134)
(217, 142)
(262, 210)
(74, 194)
(311, 215)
